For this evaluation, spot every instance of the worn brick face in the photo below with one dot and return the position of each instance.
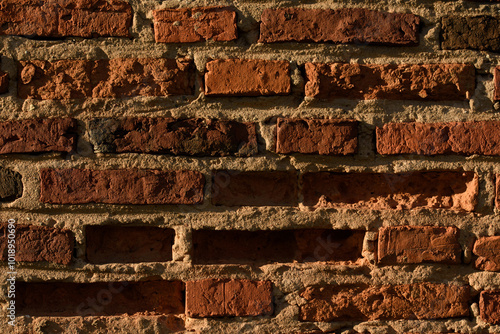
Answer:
(470, 32)
(489, 306)
(11, 185)
(497, 84)
(346, 25)
(487, 250)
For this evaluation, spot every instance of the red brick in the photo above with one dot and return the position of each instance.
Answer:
(378, 191)
(99, 299)
(317, 136)
(393, 82)
(238, 77)
(128, 244)
(262, 247)
(361, 303)
(416, 244)
(187, 25)
(497, 84)
(439, 138)
(122, 186)
(489, 306)
(71, 79)
(488, 251)
(201, 137)
(78, 18)
(234, 188)
(38, 243)
(346, 25)
(497, 197)
(221, 298)
(38, 135)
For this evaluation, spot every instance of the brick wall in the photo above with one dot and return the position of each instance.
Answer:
(250, 166)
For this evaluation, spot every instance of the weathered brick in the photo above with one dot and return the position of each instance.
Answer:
(417, 244)
(77, 18)
(393, 82)
(122, 186)
(72, 79)
(488, 251)
(489, 306)
(239, 77)
(304, 245)
(99, 299)
(470, 32)
(361, 303)
(497, 197)
(11, 185)
(439, 138)
(497, 84)
(268, 188)
(346, 25)
(378, 191)
(187, 25)
(200, 137)
(38, 135)
(317, 136)
(4, 82)
(220, 298)
(38, 243)
(128, 244)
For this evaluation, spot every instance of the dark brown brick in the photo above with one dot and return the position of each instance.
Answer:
(128, 244)
(470, 32)
(200, 137)
(488, 251)
(378, 191)
(4, 82)
(261, 247)
(497, 84)
(489, 306)
(268, 188)
(187, 25)
(317, 136)
(221, 298)
(346, 25)
(11, 185)
(122, 186)
(393, 82)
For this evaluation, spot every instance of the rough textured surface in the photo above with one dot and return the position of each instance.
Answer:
(186, 25)
(222, 298)
(258, 247)
(38, 243)
(439, 138)
(470, 32)
(446, 190)
(497, 84)
(414, 244)
(128, 244)
(120, 77)
(38, 135)
(317, 136)
(99, 299)
(4, 82)
(234, 188)
(497, 191)
(240, 77)
(200, 137)
(123, 186)
(488, 251)
(393, 82)
(11, 185)
(489, 306)
(346, 25)
(408, 301)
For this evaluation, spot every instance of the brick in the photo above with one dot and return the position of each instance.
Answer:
(113, 78)
(378, 191)
(488, 251)
(38, 135)
(470, 32)
(317, 136)
(69, 18)
(465, 138)
(128, 244)
(188, 25)
(222, 298)
(38, 244)
(99, 299)
(196, 136)
(4, 82)
(346, 25)
(121, 186)
(11, 185)
(497, 84)
(361, 303)
(416, 244)
(263, 247)
(393, 82)
(489, 306)
(235, 188)
(497, 190)
(239, 77)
